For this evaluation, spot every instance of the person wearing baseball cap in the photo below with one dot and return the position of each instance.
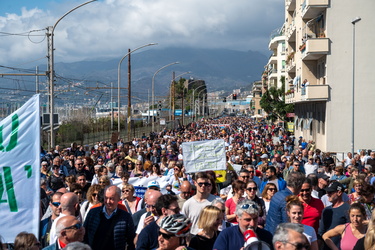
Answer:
(337, 213)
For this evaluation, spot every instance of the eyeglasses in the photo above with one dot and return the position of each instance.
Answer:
(252, 189)
(207, 184)
(150, 206)
(166, 236)
(272, 189)
(176, 210)
(125, 191)
(56, 204)
(76, 226)
(305, 190)
(247, 206)
(245, 176)
(176, 169)
(299, 246)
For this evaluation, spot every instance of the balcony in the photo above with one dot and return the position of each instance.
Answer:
(311, 8)
(291, 67)
(272, 74)
(272, 60)
(311, 93)
(315, 48)
(290, 5)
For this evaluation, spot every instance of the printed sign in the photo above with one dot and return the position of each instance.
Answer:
(201, 156)
(20, 171)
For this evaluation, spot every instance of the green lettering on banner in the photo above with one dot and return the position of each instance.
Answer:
(13, 136)
(2, 190)
(10, 189)
(29, 170)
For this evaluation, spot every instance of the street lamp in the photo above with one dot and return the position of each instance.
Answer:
(194, 98)
(51, 70)
(354, 21)
(153, 91)
(119, 81)
(202, 91)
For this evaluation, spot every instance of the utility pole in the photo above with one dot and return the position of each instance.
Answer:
(111, 106)
(129, 96)
(173, 95)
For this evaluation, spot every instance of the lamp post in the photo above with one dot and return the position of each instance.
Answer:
(153, 91)
(194, 96)
(51, 70)
(119, 82)
(354, 21)
(202, 91)
(170, 93)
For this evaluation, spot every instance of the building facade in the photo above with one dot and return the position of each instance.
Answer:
(320, 68)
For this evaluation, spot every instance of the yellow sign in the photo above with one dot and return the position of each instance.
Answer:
(290, 126)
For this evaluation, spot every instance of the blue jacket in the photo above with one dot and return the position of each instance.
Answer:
(124, 232)
(280, 181)
(276, 213)
(231, 238)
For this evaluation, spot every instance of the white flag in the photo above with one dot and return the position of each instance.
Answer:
(20, 171)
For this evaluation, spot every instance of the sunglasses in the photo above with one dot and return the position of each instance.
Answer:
(95, 194)
(102, 182)
(299, 246)
(272, 189)
(166, 236)
(150, 206)
(76, 226)
(78, 192)
(305, 190)
(79, 163)
(245, 176)
(125, 191)
(252, 189)
(176, 169)
(247, 206)
(56, 204)
(207, 184)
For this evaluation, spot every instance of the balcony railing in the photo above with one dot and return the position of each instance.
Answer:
(290, 5)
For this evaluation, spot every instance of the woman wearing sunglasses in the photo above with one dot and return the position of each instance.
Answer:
(268, 192)
(92, 199)
(128, 199)
(251, 194)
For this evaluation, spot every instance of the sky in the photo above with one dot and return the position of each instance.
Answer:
(107, 28)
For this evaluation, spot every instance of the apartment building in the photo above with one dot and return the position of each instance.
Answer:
(319, 45)
(275, 68)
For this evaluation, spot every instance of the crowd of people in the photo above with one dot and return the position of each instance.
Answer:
(283, 189)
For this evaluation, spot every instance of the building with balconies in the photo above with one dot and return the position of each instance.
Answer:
(276, 64)
(257, 93)
(319, 46)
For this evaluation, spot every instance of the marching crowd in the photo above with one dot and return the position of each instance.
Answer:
(277, 192)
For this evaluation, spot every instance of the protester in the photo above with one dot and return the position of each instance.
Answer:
(247, 213)
(108, 227)
(209, 221)
(26, 240)
(195, 204)
(349, 232)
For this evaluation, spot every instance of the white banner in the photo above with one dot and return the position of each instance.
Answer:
(20, 171)
(201, 156)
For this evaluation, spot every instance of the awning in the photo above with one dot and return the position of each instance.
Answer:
(296, 122)
(300, 122)
(308, 123)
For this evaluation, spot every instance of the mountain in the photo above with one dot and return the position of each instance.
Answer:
(221, 69)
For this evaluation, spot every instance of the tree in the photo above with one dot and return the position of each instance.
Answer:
(273, 102)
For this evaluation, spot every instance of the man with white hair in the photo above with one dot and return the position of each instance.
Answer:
(290, 236)
(68, 229)
(247, 213)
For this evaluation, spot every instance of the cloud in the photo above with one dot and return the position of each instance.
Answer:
(108, 28)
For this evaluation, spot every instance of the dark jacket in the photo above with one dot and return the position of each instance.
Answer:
(123, 230)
